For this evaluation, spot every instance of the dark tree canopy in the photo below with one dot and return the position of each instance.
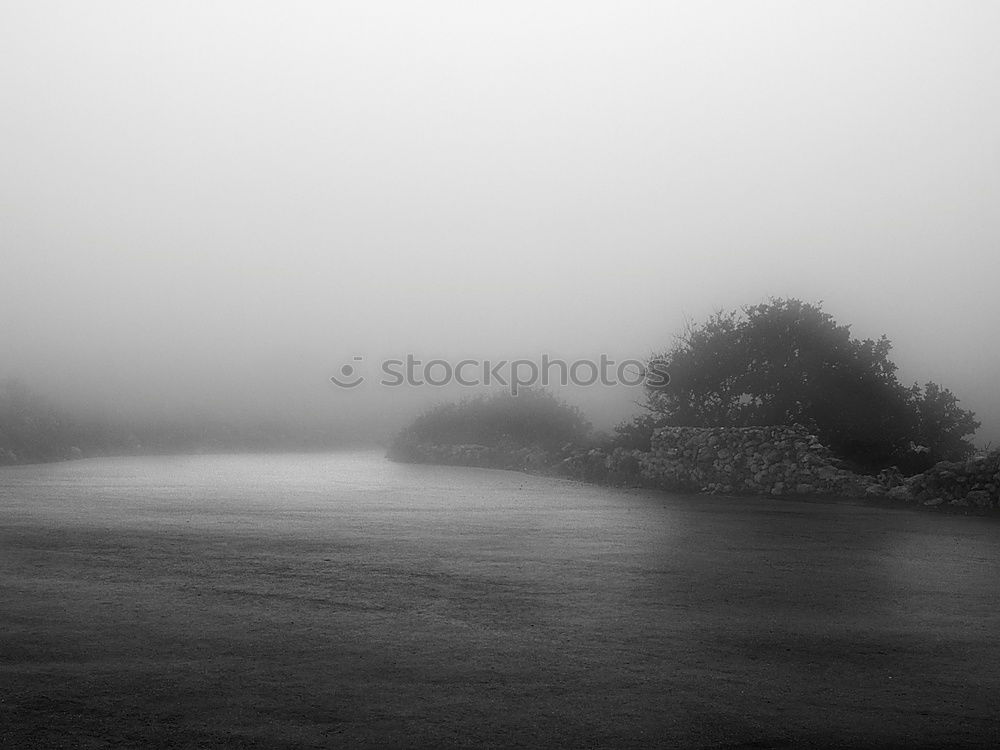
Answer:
(532, 418)
(789, 362)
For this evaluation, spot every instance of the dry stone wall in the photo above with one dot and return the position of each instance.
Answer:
(779, 460)
(973, 483)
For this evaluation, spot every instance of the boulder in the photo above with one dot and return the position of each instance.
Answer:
(902, 493)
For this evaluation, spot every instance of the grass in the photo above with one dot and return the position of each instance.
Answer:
(494, 610)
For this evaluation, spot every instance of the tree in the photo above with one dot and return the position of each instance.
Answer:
(531, 418)
(788, 362)
(940, 424)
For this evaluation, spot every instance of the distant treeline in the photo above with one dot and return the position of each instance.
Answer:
(33, 430)
(498, 430)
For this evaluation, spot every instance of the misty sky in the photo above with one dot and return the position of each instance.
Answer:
(221, 202)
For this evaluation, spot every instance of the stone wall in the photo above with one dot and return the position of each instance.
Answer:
(741, 461)
(775, 461)
(974, 483)
(747, 460)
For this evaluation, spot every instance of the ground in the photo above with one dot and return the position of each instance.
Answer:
(537, 612)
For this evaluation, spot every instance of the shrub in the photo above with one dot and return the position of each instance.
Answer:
(533, 418)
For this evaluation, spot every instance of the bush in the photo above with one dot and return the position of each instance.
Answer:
(636, 433)
(533, 418)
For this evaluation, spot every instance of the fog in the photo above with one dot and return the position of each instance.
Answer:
(209, 208)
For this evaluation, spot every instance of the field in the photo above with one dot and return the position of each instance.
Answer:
(170, 603)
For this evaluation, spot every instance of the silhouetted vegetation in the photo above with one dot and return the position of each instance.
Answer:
(532, 419)
(636, 433)
(789, 362)
(33, 430)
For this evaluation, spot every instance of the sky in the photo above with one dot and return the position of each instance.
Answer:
(215, 205)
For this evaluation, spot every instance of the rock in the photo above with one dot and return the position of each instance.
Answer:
(782, 460)
(979, 497)
(902, 492)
